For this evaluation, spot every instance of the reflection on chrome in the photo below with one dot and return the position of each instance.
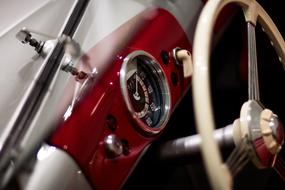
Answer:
(45, 151)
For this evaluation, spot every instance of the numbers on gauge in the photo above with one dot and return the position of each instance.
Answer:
(144, 92)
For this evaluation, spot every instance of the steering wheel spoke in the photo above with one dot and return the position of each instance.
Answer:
(253, 84)
(238, 158)
(279, 166)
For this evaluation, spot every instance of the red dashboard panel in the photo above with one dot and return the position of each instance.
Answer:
(102, 111)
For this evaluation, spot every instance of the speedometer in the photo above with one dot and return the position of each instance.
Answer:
(145, 91)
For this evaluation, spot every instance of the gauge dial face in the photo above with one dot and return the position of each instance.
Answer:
(145, 91)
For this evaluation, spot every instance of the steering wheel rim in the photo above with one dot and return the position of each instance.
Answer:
(219, 176)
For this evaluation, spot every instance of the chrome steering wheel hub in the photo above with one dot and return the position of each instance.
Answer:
(264, 133)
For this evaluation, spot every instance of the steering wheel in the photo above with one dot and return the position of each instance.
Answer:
(258, 133)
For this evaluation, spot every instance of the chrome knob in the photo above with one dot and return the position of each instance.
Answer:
(263, 131)
(113, 146)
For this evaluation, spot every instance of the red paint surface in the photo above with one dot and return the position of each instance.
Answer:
(225, 16)
(82, 134)
(265, 157)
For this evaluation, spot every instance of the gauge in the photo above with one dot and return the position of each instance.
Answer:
(145, 90)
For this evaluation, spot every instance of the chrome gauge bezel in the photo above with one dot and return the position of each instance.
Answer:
(158, 73)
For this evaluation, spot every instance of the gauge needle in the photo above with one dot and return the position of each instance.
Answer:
(136, 95)
(137, 84)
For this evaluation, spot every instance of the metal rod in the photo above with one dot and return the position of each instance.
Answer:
(187, 147)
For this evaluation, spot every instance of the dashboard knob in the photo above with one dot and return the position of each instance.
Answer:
(113, 146)
(184, 56)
